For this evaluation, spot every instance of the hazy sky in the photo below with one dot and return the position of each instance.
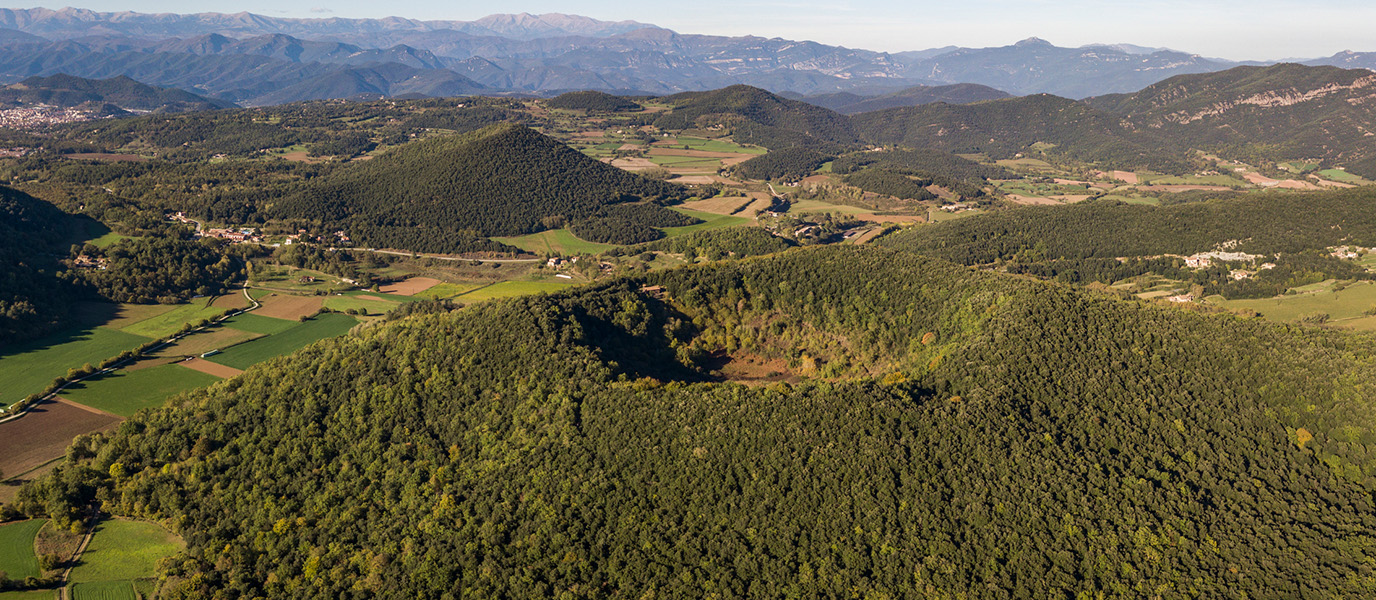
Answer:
(1235, 29)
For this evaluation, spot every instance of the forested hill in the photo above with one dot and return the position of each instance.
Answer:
(32, 234)
(593, 101)
(442, 194)
(68, 91)
(958, 93)
(1264, 223)
(1029, 124)
(1285, 111)
(947, 431)
(756, 116)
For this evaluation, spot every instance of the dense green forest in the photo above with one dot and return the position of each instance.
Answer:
(889, 183)
(1038, 124)
(33, 300)
(758, 117)
(592, 101)
(445, 194)
(965, 177)
(949, 433)
(1262, 223)
(164, 270)
(788, 163)
(714, 244)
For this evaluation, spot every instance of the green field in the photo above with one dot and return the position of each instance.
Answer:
(554, 242)
(123, 550)
(714, 146)
(251, 353)
(507, 289)
(107, 240)
(104, 590)
(941, 216)
(374, 307)
(29, 595)
(257, 324)
(448, 290)
(126, 392)
(29, 368)
(1350, 304)
(1155, 179)
(16, 549)
(1339, 175)
(170, 322)
(710, 221)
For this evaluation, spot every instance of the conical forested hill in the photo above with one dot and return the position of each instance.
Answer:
(443, 194)
(931, 432)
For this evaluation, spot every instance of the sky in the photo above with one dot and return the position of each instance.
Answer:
(1232, 29)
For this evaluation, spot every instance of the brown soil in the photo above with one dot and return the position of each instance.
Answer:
(410, 287)
(230, 300)
(720, 206)
(291, 308)
(1259, 179)
(1030, 201)
(752, 370)
(633, 164)
(45, 432)
(1125, 176)
(210, 368)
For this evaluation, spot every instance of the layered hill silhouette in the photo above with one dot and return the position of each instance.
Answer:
(937, 417)
(69, 91)
(446, 194)
(756, 116)
(961, 93)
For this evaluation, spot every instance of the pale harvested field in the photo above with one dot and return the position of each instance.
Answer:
(302, 157)
(941, 192)
(205, 341)
(720, 206)
(233, 299)
(890, 218)
(45, 432)
(694, 179)
(757, 206)
(1125, 176)
(210, 368)
(410, 287)
(1259, 179)
(1335, 184)
(633, 164)
(291, 308)
(1294, 184)
(816, 179)
(1030, 201)
(864, 238)
(630, 147)
(739, 158)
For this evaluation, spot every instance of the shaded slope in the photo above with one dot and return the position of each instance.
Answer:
(1004, 128)
(32, 298)
(959, 93)
(69, 91)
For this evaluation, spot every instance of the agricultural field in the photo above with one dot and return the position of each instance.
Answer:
(121, 552)
(818, 206)
(291, 308)
(448, 290)
(710, 221)
(254, 323)
(708, 145)
(28, 368)
(44, 433)
(125, 392)
(1344, 307)
(167, 323)
(508, 289)
(374, 305)
(721, 205)
(1341, 176)
(941, 216)
(17, 560)
(104, 590)
(216, 337)
(29, 595)
(555, 242)
(411, 286)
(304, 334)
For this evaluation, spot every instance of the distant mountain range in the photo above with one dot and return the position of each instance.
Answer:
(255, 60)
(122, 92)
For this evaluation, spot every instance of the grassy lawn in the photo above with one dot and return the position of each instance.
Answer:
(109, 239)
(554, 241)
(507, 289)
(374, 307)
(29, 595)
(448, 290)
(257, 324)
(169, 322)
(1339, 175)
(251, 353)
(710, 221)
(28, 368)
(125, 550)
(16, 549)
(104, 590)
(1344, 307)
(126, 392)
(940, 216)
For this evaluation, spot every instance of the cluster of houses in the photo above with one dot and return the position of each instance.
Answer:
(1348, 252)
(246, 234)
